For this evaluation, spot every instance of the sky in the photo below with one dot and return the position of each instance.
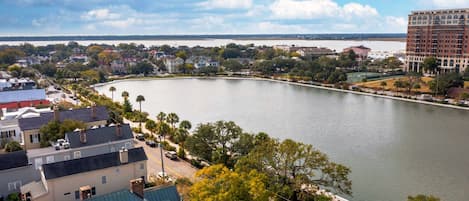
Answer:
(189, 17)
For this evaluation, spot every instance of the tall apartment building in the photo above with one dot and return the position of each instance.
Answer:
(439, 33)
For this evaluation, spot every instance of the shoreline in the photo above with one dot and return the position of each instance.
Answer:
(291, 83)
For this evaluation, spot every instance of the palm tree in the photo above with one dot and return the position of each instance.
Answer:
(383, 85)
(112, 89)
(140, 99)
(151, 126)
(125, 95)
(185, 124)
(161, 117)
(172, 119)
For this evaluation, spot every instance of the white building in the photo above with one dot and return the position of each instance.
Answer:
(172, 64)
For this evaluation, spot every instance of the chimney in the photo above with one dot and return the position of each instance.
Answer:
(56, 113)
(124, 156)
(93, 111)
(119, 130)
(83, 136)
(137, 186)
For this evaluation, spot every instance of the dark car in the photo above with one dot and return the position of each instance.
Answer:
(140, 137)
(151, 143)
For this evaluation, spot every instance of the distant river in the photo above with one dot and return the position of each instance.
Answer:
(337, 45)
(394, 148)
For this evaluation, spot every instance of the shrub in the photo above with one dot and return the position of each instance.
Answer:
(13, 146)
(181, 153)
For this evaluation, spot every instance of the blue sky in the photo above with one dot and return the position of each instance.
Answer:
(146, 17)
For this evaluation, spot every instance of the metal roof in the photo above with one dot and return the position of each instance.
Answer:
(92, 163)
(13, 160)
(166, 193)
(99, 136)
(22, 95)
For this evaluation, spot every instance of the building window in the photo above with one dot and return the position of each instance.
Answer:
(12, 186)
(49, 159)
(67, 157)
(77, 195)
(103, 180)
(128, 145)
(77, 154)
(142, 166)
(35, 138)
(93, 191)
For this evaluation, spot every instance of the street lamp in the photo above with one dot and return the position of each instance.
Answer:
(161, 153)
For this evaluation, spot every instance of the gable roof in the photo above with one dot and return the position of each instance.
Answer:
(13, 160)
(92, 163)
(83, 114)
(166, 193)
(99, 136)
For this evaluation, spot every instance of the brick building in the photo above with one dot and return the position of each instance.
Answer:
(438, 33)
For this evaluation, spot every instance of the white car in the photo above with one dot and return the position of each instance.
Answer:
(164, 176)
(62, 144)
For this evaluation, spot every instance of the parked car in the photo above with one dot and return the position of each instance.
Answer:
(140, 137)
(61, 144)
(171, 155)
(151, 143)
(164, 176)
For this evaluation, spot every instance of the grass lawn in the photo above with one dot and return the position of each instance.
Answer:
(390, 84)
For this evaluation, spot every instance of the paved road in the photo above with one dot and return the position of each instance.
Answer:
(174, 168)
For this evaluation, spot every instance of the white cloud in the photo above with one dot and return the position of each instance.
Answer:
(355, 9)
(226, 4)
(315, 9)
(100, 14)
(450, 3)
(396, 24)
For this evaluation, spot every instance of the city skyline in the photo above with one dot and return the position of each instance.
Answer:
(186, 17)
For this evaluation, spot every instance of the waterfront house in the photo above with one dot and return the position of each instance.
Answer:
(85, 178)
(92, 117)
(361, 52)
(14, 172)
(172, 64)
(85, 143)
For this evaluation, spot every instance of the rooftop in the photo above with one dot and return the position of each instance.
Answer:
(166, 193)
(13, 160)
(99, 136)
(22, 95)
(92, 163)
(83, 115)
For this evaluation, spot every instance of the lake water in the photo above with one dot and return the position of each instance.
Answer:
(394, 148)
(338, 45)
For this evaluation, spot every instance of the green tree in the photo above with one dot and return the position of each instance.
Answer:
(10, 55)
(430, 64)
(232, 65)
(112, 89)
(127, 106)
(55, 130)
(13, 146)
(182, 55)
(219, 183)
(125, 95)
(383, 85)
(13, 197)
(443, 83)
(398, 84)
(140, 99)
(14, 70)
(185, 124)
(423, 198)
(163, 129)
(172, 119)
(214, 141)
(291, 164)
(151, 126)
(161, 117)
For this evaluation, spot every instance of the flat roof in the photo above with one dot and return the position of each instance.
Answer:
(22, 95)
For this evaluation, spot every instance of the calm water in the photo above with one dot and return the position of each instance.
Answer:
(394, 148)
(338, 45)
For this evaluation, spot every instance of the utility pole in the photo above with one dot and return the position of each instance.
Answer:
(161, 153)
